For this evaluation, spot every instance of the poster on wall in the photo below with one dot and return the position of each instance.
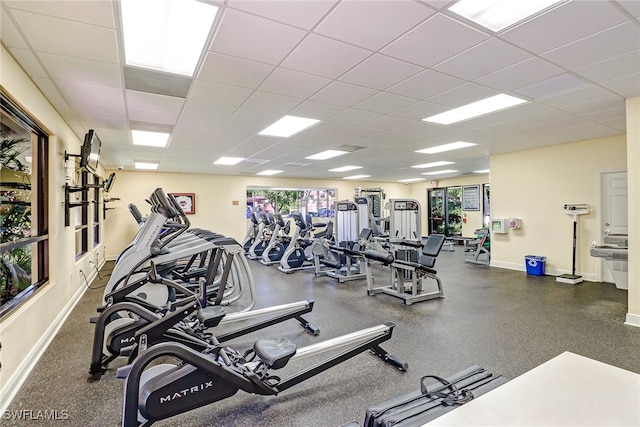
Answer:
(471, 198)
(187, 202)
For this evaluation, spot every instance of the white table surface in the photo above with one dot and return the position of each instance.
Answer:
(568, 390)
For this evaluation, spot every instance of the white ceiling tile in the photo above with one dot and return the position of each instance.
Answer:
(462, 95)
(233, 71)
(551, 86)
(154, 102)
(228, 138)
(390, 123)
(335, 60)
(220, 94)
(590, 130)
(267, 42)
(631, 6)
(577, 96)
(354, 117)
(82, 71)
(425, 46)
(598, 47)
(47, 87)
(343, 94)
(316, 110)
(293, 83)
(565, 24)
(78, 93)
(9, 34)
(380, 72)
(29, 63)
(425, 84)
(437, 4)
(204, 115)
(418, 111)
(621, 65)
(596, 105)
(482, 59)
(246, 127)
(256, 117)
(627, 87)
(99, 13)
(96, 43)
(271, 102)
(385, 103)
(521, 74)
(347, 23)
(299, 13)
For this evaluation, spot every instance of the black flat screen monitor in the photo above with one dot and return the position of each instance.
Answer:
(90, 155)
(108, 183)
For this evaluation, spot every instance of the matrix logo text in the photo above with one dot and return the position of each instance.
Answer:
(36, 414)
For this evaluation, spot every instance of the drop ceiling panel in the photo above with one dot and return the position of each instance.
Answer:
(233, 71)
(385, 103)
(267, 42)
(97, 12)
(9, 34)
(608, 69)
(293, 83)
(561, 27)
(380, 72)
(166, 107)
(418, 111)
(461, 95)
(271, 102)
(522, 74)
(82, 71)
(335, 60)
(590, 130)
(346, 21)
(96, 43)
(627, 87)
(631, 6)
(29, 62)
(79, 93)
(204, 115)
(485, 58)
(598, 47)
(303, 14)
(354, 117)
(47, 87)
(344, 94)
(316, 110)
(262, 118)
(425, 84)
(424, 45)
(577, 96)
(390, 122)
(220, 94)
(89, 112)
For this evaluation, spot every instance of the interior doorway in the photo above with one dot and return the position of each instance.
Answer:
(445, 211)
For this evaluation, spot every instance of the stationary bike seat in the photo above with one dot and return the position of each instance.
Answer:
(275, 352)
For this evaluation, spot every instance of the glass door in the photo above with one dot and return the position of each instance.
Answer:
(437, 223)
(445, 211)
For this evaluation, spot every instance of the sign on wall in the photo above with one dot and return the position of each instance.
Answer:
(471, 198)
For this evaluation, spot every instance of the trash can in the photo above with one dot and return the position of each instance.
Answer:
(535, 264)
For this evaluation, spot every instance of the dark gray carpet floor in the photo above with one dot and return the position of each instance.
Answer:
(505, 321)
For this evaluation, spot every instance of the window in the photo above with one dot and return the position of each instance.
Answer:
(313, 202)
(81, 215)
(24, 244)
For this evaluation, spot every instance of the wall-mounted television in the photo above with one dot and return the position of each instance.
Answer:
(108, 183)
(90, 154)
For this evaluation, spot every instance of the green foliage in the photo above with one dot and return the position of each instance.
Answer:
(10, 151)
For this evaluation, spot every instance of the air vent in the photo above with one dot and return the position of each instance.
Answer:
(349, 148)
(255, 161)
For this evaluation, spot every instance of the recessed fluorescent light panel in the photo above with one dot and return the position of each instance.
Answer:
(482, 171)
(440, 172)
(446, 147)
(345, 169)
(287, 126)
(498, 14)
(228, 161)
(432, 165)
(411, 180)
(269, 172)
(357, 176)
(146, 166)
(326, 155)
(475, 109)
(166, 35)
(150, 139)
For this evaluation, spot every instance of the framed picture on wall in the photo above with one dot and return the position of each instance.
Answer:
(471, 198)
(187, 202)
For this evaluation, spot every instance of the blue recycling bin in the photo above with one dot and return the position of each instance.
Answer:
(535, 264)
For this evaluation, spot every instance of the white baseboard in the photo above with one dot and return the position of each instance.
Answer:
(633, 320)
(591, 277)
(12, 386)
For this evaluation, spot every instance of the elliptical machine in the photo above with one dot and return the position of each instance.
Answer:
(252, 231)
(262, 238)
(295, 257)
(278, 243)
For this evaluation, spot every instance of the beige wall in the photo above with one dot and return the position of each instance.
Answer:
(633, 177)
(215, 196)
(534, 185)
(27, 330)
